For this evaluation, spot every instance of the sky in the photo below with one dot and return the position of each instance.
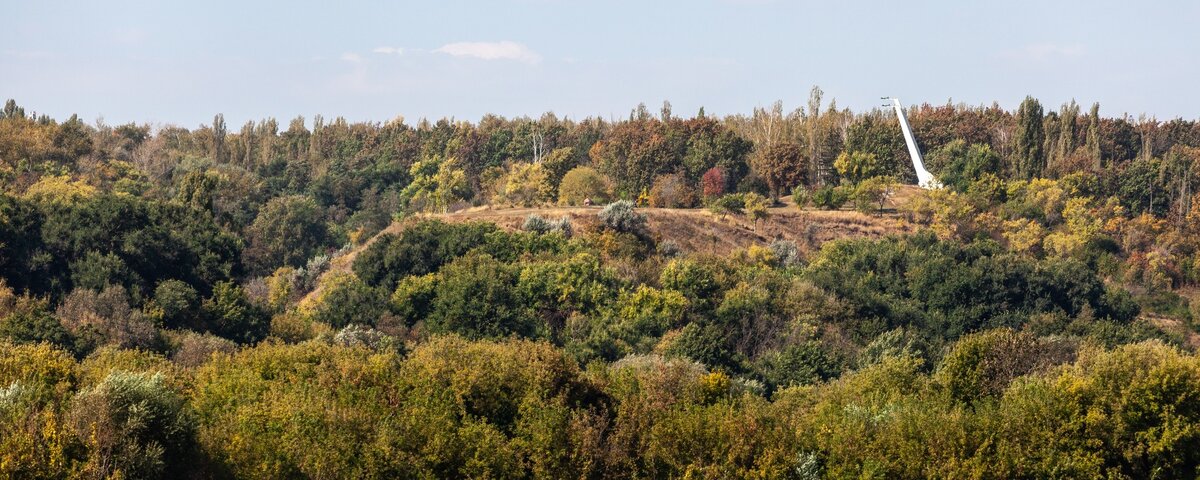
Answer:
(180, 63)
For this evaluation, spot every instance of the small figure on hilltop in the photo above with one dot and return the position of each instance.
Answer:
(587, 202)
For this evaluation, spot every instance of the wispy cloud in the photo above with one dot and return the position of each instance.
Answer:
(27, 54)
(504, 50)
(352, 57)
(1046, 51)
(130, 36)
(389, 50)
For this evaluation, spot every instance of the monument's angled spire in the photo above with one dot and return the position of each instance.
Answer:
(924, 178)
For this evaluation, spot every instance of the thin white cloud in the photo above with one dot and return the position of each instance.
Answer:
(130, 36)
(389, 50)
(27, 54)
(504, 50)
(352, 57)
(1046, 51)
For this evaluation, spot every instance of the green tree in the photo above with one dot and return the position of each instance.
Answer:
(287, 232)
(134, 426)
(477, 297)
(728, 204)
(345, 300)
(871, 194)
(756, 208)
(1093, 137)
(437, 183)
(857, 166)
(583, 183)
(958, 165)
(1029, 157)
(230, 314)
(179, 302)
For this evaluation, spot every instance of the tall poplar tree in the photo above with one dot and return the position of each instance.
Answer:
(1093, 136)
(1029, 158)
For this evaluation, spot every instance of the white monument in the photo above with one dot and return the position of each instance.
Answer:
(924, 178)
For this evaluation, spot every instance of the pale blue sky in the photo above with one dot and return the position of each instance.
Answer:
(177, 62)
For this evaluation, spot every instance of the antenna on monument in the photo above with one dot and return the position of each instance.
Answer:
(924, 178)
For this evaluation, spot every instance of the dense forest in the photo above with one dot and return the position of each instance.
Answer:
(271, 302)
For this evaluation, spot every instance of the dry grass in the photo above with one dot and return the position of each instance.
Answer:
(694, 230)
(698, 230)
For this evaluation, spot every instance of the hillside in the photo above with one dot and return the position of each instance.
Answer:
(693, 230)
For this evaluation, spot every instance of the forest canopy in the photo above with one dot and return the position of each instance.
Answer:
(332, 299)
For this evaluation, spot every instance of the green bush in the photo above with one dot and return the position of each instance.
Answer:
(728, 204)
(232, 315)
(622, 217)
(346, 300)
(829, 198)
(801, 196)
(477, 297)
(134, 426)
(802, 364)
(419, 249)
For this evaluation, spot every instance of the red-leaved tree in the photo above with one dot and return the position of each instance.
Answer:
(713, 183)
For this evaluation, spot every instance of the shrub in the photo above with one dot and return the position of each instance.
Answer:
(230, 314)
(308, 410)
(179, 303)
(728, 204)
(803, 364)
(346, 300)
(697, 281)
(706, 344)
(829, 198)
(672, 191)
(643, 315)
(583, 183)
(563, 225)
(413, 298)
(28, 321)
(801, 196)
(477, 297)
(420, 249)
(620, 216)
(870, 194)
(668, 248)
(105, 318)
(361, 336)
(134, 427)
(194, 349)
(785, 252)
(537, 224)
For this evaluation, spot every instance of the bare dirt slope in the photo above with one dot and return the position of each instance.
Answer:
(693, 230)
(697, 230)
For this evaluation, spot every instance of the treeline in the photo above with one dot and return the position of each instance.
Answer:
(520, 409)
(180, 302)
